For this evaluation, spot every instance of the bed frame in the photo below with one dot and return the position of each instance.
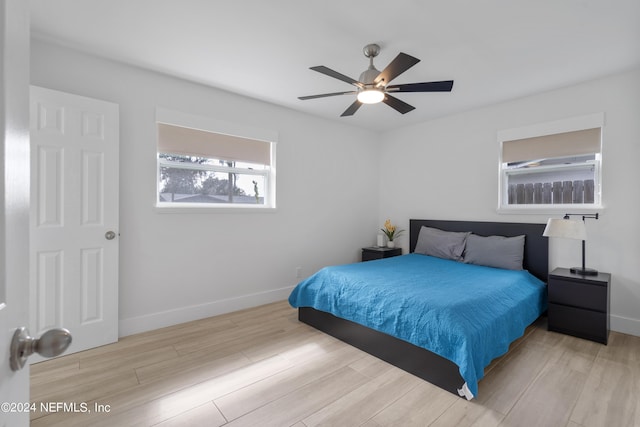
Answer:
(413, 359)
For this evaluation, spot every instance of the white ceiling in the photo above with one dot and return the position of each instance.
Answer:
(495, 50)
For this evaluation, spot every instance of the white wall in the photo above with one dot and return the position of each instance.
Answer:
(178, 267)
(447, 169)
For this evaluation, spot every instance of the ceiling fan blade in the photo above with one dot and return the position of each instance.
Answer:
(443, 86)
(336, 75)
(324, 95)
(352, 109)
(398, 105)
(399, 65)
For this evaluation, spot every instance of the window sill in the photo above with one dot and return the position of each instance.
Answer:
(550, 209)
(190, 208)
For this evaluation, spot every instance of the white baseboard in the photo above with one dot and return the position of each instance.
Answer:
(625, 325)
(176, 316)
(135, 325)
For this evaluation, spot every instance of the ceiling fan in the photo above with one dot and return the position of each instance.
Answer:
(373, 85)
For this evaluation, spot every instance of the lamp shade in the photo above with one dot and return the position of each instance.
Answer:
(567, 228)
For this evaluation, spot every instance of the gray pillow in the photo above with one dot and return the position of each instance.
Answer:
(440, 243)
(495, 251)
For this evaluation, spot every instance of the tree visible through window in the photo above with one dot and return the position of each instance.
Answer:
(181, 183)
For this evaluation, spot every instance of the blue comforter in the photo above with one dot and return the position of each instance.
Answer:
(466, 313)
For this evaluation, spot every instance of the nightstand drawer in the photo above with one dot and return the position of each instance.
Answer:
(575, 321)
(592, 297)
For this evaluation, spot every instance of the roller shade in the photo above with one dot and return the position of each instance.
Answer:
(193, 142)
(565, 144)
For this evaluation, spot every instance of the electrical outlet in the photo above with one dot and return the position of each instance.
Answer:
(298, 272)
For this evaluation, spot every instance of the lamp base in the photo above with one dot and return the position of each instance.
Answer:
(583, 271)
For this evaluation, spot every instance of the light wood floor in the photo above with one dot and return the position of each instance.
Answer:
(261, 367)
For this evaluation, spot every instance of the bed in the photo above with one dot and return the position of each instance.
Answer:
(340, 300)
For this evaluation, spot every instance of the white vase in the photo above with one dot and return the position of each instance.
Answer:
(391, 244)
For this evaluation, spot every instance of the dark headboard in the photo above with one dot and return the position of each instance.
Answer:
(536, 247)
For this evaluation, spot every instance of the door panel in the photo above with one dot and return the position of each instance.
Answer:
(49, 290)
(74, 267)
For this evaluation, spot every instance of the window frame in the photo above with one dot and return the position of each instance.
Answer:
(591, 121)
(176, 118)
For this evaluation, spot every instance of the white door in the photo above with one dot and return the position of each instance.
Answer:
(14, 203)
(74, 217)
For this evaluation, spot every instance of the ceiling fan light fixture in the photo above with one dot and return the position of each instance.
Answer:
(370, 96)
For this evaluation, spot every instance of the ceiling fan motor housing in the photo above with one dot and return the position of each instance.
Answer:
(368, 76)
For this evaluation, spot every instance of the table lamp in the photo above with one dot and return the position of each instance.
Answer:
(572, 229)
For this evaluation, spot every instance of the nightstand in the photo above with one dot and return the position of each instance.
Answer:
(375, 252)
(579, 305)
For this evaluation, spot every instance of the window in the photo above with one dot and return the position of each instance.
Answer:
(545, 166)
(203, 168)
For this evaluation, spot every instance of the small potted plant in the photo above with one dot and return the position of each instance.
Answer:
(391, 231)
